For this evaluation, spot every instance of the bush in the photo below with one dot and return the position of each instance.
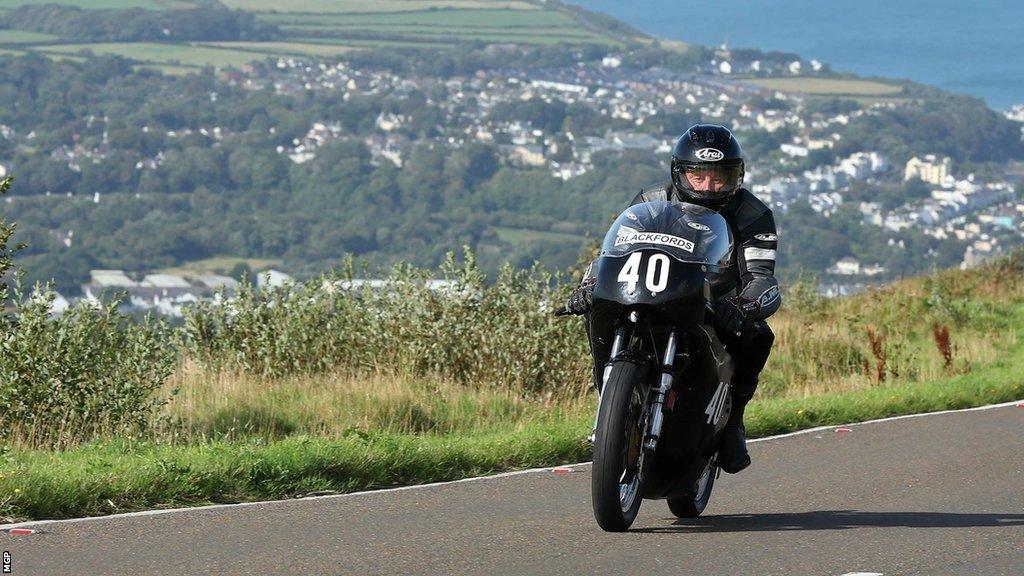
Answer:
(65, 379)
(498, 335)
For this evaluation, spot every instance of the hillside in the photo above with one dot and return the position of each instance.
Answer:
(192, 137)
(179, 36)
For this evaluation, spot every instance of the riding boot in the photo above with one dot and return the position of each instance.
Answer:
(732, 448)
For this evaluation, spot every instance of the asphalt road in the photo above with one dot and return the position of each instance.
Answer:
(933, 495)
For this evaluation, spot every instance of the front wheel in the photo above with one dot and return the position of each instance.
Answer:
(616, 482)
(692, 505)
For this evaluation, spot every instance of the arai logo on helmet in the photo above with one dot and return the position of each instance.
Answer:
(709, 154)
(698, 226)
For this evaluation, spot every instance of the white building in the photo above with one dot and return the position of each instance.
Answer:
(929, 169)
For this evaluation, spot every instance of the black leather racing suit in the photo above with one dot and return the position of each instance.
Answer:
(756, 242)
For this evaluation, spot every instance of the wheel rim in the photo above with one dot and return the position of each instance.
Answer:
(629, 483)
(703, 483)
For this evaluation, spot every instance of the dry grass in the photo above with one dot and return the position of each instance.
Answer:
(225, 405)
(920, 329)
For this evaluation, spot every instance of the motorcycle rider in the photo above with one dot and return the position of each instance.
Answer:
(707, 169)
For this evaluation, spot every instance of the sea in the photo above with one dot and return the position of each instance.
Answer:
(974, 48)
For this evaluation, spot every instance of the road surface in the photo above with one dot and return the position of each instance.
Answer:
(932, 495)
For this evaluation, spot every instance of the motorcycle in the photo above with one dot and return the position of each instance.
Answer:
(664, 393)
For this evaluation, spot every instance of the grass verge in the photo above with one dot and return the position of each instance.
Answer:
(104, 478)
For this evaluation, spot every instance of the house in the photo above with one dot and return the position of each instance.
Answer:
(527, 155)
(845, 266)
(213, 282)
(272, 279)
(929, 169)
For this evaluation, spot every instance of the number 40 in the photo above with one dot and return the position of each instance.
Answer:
(656, 279)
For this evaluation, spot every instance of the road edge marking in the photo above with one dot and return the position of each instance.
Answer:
(30, 523)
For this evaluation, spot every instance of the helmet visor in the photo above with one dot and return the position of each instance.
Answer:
(709, 181)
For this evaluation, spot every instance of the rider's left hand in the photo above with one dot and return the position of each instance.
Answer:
(731, 313)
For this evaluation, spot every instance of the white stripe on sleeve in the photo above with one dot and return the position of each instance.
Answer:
(759, 254)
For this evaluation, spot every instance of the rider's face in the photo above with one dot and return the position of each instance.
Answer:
(706, 180)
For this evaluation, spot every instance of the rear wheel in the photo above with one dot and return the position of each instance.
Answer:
(616, 483)
(692, 505)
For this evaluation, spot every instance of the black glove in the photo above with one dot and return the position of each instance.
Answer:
(731, 313)
(582, 297)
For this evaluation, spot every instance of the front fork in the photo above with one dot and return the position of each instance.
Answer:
(617, 343)
(657, 403)
(656, 417)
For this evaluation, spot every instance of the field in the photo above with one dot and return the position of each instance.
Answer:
(327, 28)
(102, 4)
(179, 54)
(297, 48)
(363, 43)
(327, 6)
(221, 264)
(828, 86)
(486, 25)
(23, 37)
(500, 18)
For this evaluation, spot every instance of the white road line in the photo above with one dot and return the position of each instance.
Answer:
(574, 467)
(862, 574)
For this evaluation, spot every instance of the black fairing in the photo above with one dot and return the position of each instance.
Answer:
(682, 303)
(698, 246)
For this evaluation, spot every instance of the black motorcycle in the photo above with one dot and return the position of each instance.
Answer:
(664, 394)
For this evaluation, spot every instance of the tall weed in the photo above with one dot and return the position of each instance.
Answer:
(498, 335)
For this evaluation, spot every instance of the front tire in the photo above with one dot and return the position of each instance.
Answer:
(616, 483)
(692, 505)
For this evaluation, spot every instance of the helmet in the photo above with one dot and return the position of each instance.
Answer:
(707, 165)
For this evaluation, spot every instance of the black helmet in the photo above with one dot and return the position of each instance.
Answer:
(707, 154)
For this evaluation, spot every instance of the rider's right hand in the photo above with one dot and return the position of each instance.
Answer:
(582, 297)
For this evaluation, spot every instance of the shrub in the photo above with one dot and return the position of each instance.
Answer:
(498, 335)
(65, 379)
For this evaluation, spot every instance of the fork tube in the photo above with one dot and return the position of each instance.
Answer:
(617, 344)
(658, 402)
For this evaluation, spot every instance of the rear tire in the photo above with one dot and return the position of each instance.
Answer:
(692, 505)
(616, 485)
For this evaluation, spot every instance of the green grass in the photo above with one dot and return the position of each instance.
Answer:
(496, 25)
(366, 43)
(297, 48)
(334, 6)
(103, 478)
(809, 85)
(417, 29)
(6, 52)
(156, 53)
(553, 36)
(222, 263)
(443, 18)
(23, 37)
(100, 4)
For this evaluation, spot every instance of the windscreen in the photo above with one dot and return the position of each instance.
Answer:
(687, 232)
